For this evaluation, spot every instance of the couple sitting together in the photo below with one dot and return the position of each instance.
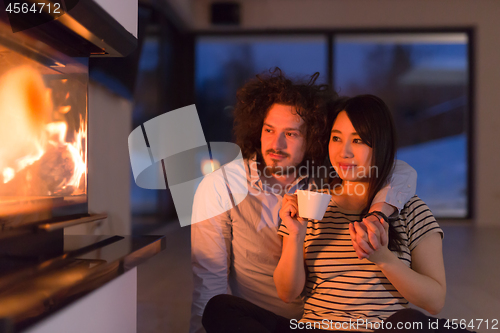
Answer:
(260, 267)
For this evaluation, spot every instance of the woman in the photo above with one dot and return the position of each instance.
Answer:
(354, 275)
(340, 287)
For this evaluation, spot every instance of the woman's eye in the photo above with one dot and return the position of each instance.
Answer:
(267, 130)
(358, 141)
(291, 134)
(335, 138)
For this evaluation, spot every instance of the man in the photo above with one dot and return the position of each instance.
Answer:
(280, 127)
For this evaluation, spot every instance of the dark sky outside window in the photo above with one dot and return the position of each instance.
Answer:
(224, 64)
(297, 56)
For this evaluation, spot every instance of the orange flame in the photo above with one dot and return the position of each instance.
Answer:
(26, 132)
(77, 151)
(65, 109)
(8, 174)
(24, 109)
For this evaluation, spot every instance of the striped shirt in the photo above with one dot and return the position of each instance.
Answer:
(342, 288)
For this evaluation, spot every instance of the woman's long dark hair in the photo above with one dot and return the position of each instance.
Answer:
(373, 122)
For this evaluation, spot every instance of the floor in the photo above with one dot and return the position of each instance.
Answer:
(471, 261)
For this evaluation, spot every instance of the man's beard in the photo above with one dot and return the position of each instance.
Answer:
(276, 169)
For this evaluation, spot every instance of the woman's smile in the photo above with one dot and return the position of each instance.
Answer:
(349, 155)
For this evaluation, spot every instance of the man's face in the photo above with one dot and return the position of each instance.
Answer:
(282, 140)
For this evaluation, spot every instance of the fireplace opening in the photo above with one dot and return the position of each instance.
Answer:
(43, 133)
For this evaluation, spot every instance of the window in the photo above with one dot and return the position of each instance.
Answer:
(424, 80)
(423, 77)
(224, 64)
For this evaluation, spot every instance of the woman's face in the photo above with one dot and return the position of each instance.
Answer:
(350, 156)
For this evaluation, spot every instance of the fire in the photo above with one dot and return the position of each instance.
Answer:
(77, 151)
(35, 158)
(8, 174)
(24, 110)
(56, 132)
(65, 109)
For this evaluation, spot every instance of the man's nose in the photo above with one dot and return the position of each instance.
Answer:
(279, 141)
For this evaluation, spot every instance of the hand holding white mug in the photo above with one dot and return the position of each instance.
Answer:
(289, 214)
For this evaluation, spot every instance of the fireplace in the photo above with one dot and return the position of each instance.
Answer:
(44, 83)
(43, 133)
(44, 163)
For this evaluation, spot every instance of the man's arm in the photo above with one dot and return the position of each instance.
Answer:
(210, 247)
(398, 191)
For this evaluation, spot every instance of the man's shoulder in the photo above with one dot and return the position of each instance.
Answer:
(237, 168)
(220, 190)
(232, 173)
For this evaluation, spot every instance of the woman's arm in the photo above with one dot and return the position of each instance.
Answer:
(290, 276)
(424, 284)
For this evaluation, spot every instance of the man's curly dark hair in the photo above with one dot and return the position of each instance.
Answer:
(257, 96)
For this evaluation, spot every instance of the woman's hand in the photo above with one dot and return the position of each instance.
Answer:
(295, 225)
(377, 233)
(290, 275)
(359, 236)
